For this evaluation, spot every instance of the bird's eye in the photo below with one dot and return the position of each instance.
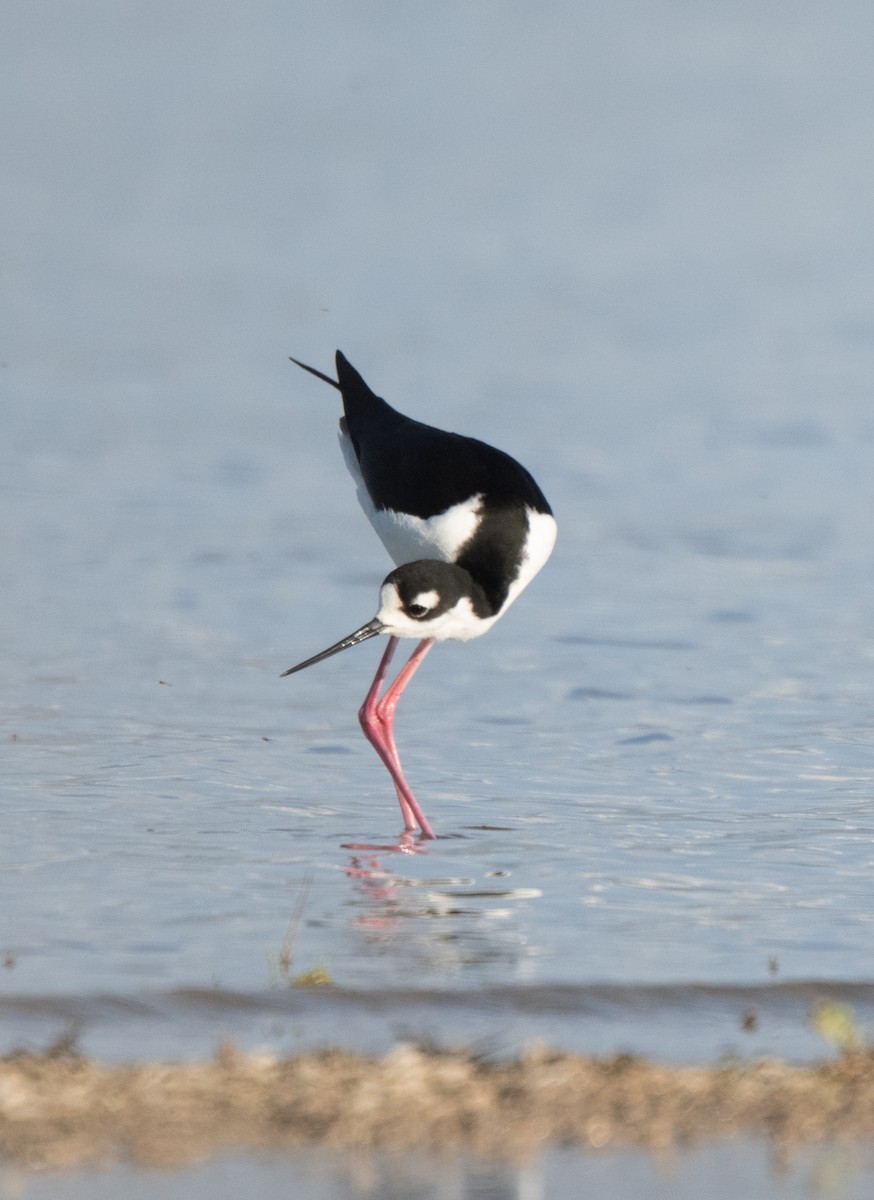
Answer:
(417, 610)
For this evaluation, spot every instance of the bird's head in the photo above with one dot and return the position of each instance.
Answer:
(424, 599)
(432, 599)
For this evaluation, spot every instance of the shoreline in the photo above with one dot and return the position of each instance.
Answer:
(67, 1110)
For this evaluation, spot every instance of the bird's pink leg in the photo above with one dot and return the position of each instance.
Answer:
(377, 720)
(370, 724)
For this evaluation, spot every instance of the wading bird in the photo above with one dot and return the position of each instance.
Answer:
(466, 524)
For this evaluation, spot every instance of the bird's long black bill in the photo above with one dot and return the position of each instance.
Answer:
(371, 629)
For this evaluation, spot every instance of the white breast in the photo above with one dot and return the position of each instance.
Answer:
(542, 531)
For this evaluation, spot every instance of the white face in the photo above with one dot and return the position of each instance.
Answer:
(457, 623)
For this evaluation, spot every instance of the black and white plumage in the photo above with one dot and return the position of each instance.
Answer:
(466, 524)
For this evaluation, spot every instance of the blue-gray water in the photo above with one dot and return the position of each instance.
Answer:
(630, 244)
(723, 1171)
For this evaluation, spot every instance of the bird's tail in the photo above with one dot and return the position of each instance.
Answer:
(313, 371)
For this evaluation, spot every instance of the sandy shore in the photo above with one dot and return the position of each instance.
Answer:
(69, 1110)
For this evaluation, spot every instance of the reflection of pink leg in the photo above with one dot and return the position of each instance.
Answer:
(377, 720)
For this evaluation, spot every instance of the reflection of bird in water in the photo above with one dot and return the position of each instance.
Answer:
(466, 524)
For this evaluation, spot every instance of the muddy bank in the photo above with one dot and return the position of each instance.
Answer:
(69, 1110)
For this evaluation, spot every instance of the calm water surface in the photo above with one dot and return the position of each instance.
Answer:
(724, 1171)
(652, 781)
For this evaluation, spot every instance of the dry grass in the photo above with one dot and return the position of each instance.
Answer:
(68, 1110)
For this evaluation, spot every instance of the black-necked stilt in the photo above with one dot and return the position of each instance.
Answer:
(466, 524)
